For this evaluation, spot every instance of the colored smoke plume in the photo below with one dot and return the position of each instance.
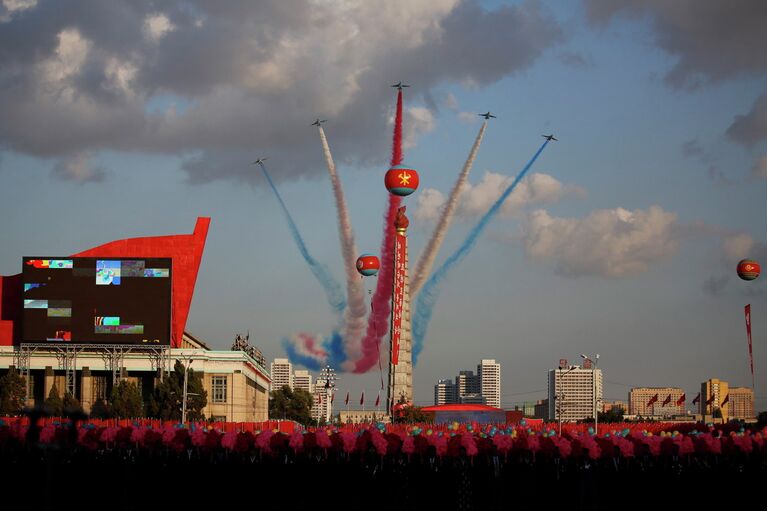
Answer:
(425, 262)
(427, 298)
(356, 310)
(332, 289)
(378, 324)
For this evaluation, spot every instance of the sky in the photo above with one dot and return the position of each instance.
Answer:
(124, 119)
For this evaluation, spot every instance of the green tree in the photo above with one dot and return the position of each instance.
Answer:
(407, 413)
(614, 414)
(166, 401)
(761, 419)
(290, 404)
(100, 409)
(125, 400)
(54, 405)
(13, 393)
(71, 405)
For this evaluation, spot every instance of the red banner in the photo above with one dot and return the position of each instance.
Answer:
(750, 350)
(400, 258)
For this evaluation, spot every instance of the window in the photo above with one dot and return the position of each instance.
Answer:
(218, 385)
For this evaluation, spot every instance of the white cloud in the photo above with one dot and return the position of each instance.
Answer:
(468, 117)
(535, 189)
(156, 26)
(417, 122)
(450, 101)
(610, 242)
(78, 168)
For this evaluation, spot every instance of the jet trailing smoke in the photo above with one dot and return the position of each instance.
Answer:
(424, 305)
(378, 324)
(425, 262)
(356, 309)
(329, 284)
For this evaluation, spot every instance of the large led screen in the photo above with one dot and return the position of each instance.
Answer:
(89, 300)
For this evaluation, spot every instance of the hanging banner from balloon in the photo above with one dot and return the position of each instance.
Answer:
(400, 257)
(750, 350)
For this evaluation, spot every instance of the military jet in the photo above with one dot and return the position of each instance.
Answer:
(260, 161)
(550, 138)
(487, 115)
(400, 85)
(319, 122)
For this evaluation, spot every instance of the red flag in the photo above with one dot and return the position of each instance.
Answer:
(681, 399)
(748, 334)
(378, 400)
(319, 399)
(710, 400)
(725, 400)
(652, 400)
(696, 400)
(346, 402)
(362, 398)
(667, 400)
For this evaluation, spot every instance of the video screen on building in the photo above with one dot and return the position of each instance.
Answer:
(89, 300)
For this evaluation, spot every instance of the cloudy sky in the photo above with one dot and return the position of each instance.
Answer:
(124, 119)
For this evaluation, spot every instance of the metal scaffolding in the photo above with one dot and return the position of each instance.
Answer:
(66, 355)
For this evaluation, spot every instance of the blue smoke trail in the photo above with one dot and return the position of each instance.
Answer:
(329, 284)
(294, 356)
(427, 298)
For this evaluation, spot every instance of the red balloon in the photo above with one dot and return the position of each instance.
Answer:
(368, 265)
(401, 180)
(748, 269)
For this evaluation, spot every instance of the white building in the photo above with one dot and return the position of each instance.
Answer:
(445, 392)
(489, 375)
(322, 408)
(303, 380)
(282, 373)
(572, 392)
(474, 398)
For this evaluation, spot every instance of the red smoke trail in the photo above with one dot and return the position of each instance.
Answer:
(378, 325)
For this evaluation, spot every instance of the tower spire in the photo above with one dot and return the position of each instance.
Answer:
(400, 352)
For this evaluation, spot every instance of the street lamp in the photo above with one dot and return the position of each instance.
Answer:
(594, 389)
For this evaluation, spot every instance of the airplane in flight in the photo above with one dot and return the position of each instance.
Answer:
(400, 85)
(550, 138)
(319, 122)
(487, 115)
(260, 161)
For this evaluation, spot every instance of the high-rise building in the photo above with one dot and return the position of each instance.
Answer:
(572, 392)
(474, 398)
(283, 369)
(741, 403)
(542, 409)
(321, 402)
(712, 395)
(656, 401)
(445, 392)
(466, 383)
(489, 374)
(302, 380)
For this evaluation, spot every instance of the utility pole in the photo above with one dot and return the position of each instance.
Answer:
(188, 362)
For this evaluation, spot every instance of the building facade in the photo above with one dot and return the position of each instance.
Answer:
(574, 393)
(489, 373)
(445, 392)
(303, 380)
(466, 383)
(712, 395)
(282, 373)
(661, 402)
(740, 406)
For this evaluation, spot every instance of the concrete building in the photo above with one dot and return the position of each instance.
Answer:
(489, 373)
(445, 392)
(741, 403)
(712, 395)
(282, 373)
(475, 398)
(237, 384)
(363, 416)
(321, 402)
(642, 402)
(467, 383)
(303, 380)
(609, 405)
(542, 409)
(574, 393)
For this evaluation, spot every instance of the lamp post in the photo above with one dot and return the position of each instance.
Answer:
(595, 360)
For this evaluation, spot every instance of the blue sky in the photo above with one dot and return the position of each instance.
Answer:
(78, 174)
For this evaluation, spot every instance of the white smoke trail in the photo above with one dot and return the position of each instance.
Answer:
(426, 261)
(356, 310)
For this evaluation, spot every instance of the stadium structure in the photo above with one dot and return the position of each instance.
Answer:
(118, 312)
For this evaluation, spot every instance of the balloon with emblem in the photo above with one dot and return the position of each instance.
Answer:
(748, 269)
(368, 265)
(401, 180)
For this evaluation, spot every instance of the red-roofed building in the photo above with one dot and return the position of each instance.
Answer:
(443, 414)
